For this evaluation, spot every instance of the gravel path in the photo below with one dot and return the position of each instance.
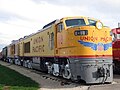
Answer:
(45, 84)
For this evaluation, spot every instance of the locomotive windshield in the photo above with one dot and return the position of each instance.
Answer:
(92, 22)
(75, 22)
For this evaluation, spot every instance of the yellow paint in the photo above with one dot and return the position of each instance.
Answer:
(40, 43)
(21, 47)
(11, 50)
(69, 46)
(65, 42)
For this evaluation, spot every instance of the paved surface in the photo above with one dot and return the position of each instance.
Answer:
(48, 84)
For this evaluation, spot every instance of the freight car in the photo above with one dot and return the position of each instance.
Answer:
(116, 49)
(73, 47)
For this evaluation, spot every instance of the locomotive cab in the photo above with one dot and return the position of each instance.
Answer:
(73, 31)
(86, 44)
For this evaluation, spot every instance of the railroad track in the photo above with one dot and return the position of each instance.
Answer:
(58, 79)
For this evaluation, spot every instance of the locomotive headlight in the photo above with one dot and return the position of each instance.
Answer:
(99, 25)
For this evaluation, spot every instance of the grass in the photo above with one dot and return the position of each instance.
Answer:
(12, 80)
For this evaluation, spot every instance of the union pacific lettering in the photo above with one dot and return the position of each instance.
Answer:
(106, 39)
(94, 39)
(89, 38)
(38, 40)
(39, 48)
(37, 45)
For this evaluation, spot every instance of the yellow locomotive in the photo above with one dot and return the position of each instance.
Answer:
(73, 47)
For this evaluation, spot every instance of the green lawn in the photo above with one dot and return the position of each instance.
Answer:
(15, 81)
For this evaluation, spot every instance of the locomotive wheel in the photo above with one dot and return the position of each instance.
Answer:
(10, 61)
(66, 74)
(54, 73)
(25, 63)
(19, 63)
(30, 65)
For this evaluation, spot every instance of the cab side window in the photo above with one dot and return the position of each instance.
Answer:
(60, 27)
(52, 41)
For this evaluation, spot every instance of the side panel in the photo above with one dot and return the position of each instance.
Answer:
(12, 50)
(41, 43)
(8, 51)
(21, 47)
(27, 46)
(16, 49)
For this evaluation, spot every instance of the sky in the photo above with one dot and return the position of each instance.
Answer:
(23, 17)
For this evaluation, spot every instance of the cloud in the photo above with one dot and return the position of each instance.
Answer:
(102, 9)
(45, 10)
(33, 11)
(23, 17)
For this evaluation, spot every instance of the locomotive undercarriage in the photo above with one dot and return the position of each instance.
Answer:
(54, 66)
(89, 70)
